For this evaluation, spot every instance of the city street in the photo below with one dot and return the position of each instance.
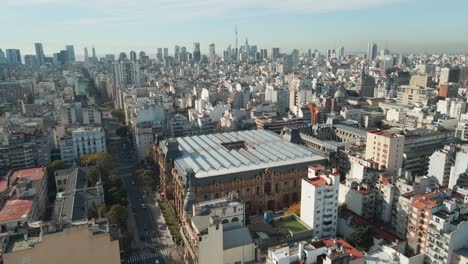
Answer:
(151, 239)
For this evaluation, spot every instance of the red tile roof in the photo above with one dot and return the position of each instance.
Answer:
(3, 185)
(317, 181)
(36, 173)
(348, 249)
(379, 231)
(15, 210)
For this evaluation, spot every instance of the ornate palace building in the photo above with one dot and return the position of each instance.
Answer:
(263, 168)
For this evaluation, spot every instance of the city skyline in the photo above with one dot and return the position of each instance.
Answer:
(114, 26)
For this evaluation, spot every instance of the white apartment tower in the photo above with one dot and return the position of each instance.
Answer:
(126, 73)
(319, 201)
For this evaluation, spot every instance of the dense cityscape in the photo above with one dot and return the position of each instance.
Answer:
(241, 154)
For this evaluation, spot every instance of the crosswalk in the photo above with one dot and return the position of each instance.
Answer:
(148, 256)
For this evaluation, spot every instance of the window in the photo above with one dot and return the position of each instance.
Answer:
(267, 188)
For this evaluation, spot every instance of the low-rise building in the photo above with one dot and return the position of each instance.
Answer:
(330, 250)
(75, 200)
(262, 167)
(214, 231)
(30, 184)
(88, 242)
(77, 142)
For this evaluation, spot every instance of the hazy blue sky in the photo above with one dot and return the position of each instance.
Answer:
(123, 25)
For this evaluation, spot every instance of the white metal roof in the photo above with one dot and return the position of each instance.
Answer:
(264, 149)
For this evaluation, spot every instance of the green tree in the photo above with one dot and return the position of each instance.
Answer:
(147, 178)
(362, 237)
(115, 194)
(101, 210)
(117, 214)
(102, 158)
(93, 176)
(56, 165)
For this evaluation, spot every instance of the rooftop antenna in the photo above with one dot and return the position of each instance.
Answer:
(237, 51)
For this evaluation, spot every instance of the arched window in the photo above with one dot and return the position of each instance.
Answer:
(225, 221)
(267, 188)
(234, 219)
(277, 188)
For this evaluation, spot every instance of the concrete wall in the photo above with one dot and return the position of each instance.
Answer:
(244, 254)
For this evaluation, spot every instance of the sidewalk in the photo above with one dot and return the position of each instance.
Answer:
(163, 232)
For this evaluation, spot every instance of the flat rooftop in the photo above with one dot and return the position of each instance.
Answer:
(237, 152)
(36, 173)
(15, 210)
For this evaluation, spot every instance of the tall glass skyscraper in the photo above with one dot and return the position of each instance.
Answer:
(39, 53)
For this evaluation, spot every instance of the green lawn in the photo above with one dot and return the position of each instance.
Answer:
(171, 221)
(290, 224)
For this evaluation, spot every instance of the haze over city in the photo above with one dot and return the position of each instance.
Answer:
(112, 26)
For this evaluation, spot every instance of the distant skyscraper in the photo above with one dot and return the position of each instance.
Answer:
(371, 51)
(212, 54)
(177, 52)
(159, 54)
(341, 52)
(263, 54)
(86, 56)
(183, 54)
(166, 52)
(133, 56)
(247, 47)
(275, 53)
(142, 57)
(329, 53)
(39, 53)
(94, 54)
(70, 53)
(253, 50)
(122, 56)
(196, 52)
(3, 58)
(13, 56)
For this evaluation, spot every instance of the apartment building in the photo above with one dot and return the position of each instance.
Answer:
(319, 201)
(386, 149)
